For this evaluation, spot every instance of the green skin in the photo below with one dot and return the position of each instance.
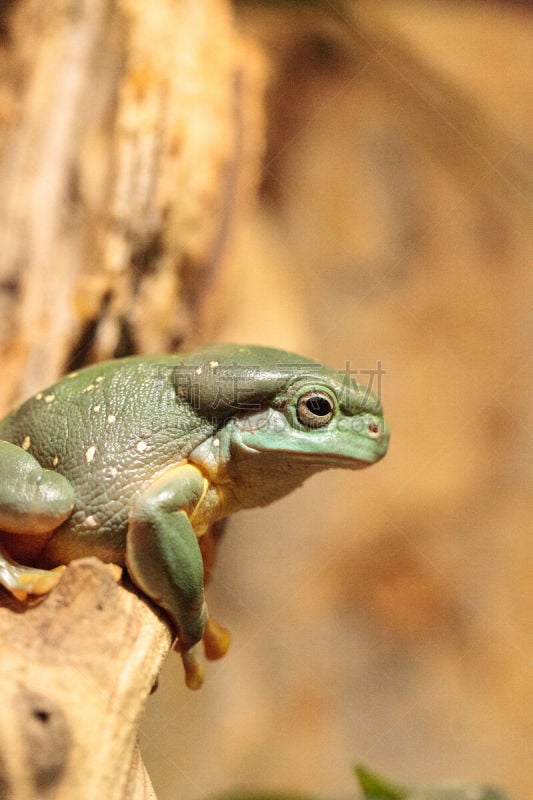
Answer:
(133, 460)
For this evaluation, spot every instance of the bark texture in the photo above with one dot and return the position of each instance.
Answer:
(130, 137)
(76, 671)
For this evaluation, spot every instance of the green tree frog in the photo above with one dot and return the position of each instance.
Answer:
(133, 460)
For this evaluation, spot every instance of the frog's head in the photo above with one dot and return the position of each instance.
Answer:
(319, 417)
(297, 415)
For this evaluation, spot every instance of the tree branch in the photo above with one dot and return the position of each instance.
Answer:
(77, 669)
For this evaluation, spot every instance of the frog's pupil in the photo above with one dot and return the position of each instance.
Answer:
(318, 406)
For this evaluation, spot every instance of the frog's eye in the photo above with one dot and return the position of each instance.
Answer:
(315, 409)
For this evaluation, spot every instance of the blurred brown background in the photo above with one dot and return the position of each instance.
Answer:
(382, 617)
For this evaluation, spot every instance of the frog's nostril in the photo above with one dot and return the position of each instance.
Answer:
(374, 428)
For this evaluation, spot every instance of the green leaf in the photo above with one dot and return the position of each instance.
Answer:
(376, 788)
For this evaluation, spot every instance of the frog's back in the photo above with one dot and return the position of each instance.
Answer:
(109, 428)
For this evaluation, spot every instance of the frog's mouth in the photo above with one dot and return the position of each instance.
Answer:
(342, 461)
(312, 460)
(331, 462)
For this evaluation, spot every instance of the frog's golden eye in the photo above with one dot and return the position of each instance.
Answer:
(315, 409)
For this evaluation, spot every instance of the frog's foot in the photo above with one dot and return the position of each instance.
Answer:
(216, 640)
(194, 669)
(22, 581)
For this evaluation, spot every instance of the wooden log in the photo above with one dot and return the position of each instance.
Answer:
(77, 669)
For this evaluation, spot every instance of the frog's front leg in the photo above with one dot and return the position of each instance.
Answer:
(33, 501)
(163, 555)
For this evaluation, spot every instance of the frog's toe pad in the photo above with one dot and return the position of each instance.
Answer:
(115, 570)
(216, 640)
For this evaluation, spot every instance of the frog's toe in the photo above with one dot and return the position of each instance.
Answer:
(22, 581)
(41, 581)
(115, 570)
(216, 640)
(194, 670)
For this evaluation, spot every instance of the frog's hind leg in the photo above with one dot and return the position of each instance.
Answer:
(33, 500)
(33, 503)
(22, 581)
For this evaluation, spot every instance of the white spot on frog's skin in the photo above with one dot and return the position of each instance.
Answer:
(55, 461)
(91, 522)
(99, 379)
(89, 454)
(72, 375)
(97, 408)
(198, 370)
(141, 447)
(49, 398)
(213, 364)
(216, 442)
(26, 444)
(39, 396)
(111, 419)
(113, 472)
(89, 388)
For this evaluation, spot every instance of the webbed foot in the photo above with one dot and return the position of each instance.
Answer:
(22, 581)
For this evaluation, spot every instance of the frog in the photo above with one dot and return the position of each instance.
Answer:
(136, 460)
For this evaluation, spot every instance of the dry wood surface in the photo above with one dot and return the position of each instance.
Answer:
(76, 670)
